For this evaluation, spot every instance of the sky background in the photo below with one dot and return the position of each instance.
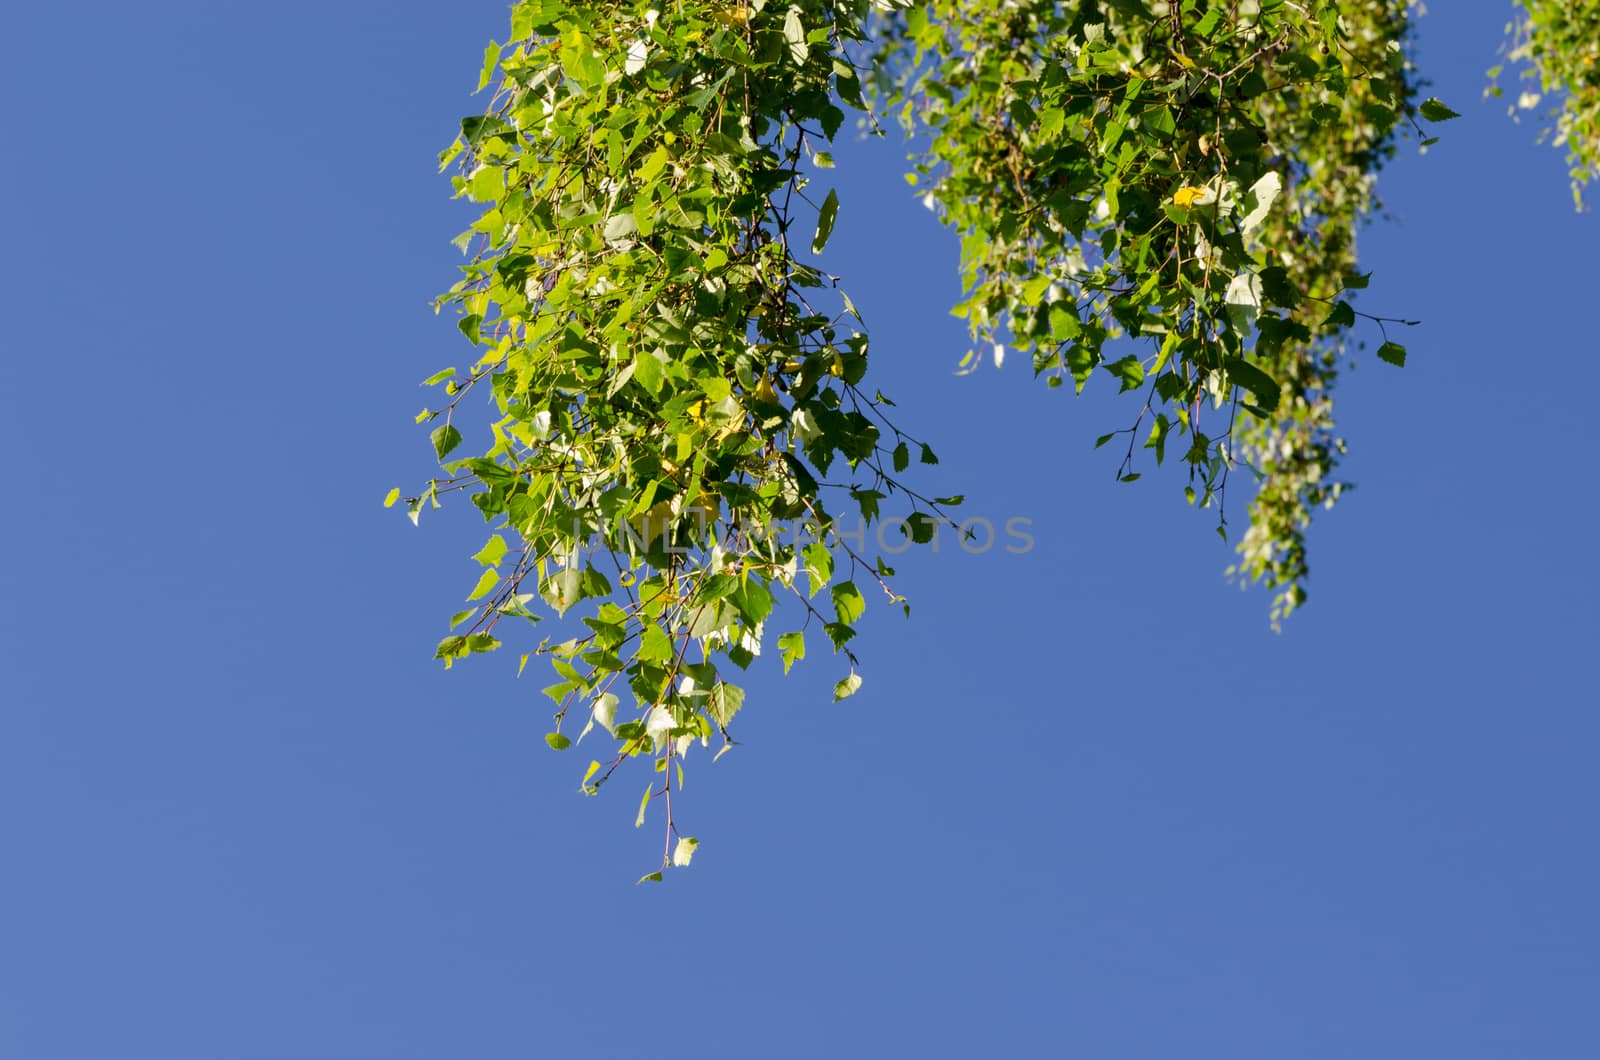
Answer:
(1086, 803)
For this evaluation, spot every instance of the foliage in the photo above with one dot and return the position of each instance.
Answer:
(1557, 45)
(1167, 194)
(675, 387)
(1186, 175)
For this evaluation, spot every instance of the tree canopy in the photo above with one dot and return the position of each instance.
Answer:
(683, 430)
(1556, 44)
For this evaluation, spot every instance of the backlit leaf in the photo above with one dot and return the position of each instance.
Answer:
(826, 216)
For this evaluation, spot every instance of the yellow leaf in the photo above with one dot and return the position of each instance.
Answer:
(735, 16)
(1187, 196)
(394, 495)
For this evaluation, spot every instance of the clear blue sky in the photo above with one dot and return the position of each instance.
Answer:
(1085, 805)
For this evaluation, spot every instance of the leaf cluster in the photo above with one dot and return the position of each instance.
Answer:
(678, 413)
(1163, 195)
(1556, 45)
(1167, 195)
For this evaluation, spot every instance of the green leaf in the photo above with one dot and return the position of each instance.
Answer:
(847, 687)
(579, 60)
(1433, 109)
(557, 741)
(651, 877)
(1342, 315)
(486, 581)
(724, 702)
(902, 459)
(753, 599)
(620, 226)
(793, 646)
(839, 633)
(847, 602)
(825, 219)
(445, 439)
(647, 371)
(1392, 353)
(563, 589)
(654, 164)
(655, 645)
(486, 184)
(1262, 386)
(711, 618)
(1129, 369)
(565, 668)
(491, 59)
(819, 565)
(493, 552)
(832, 118)
(1158, 437)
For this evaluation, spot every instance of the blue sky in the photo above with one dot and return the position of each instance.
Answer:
(1086, 803)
